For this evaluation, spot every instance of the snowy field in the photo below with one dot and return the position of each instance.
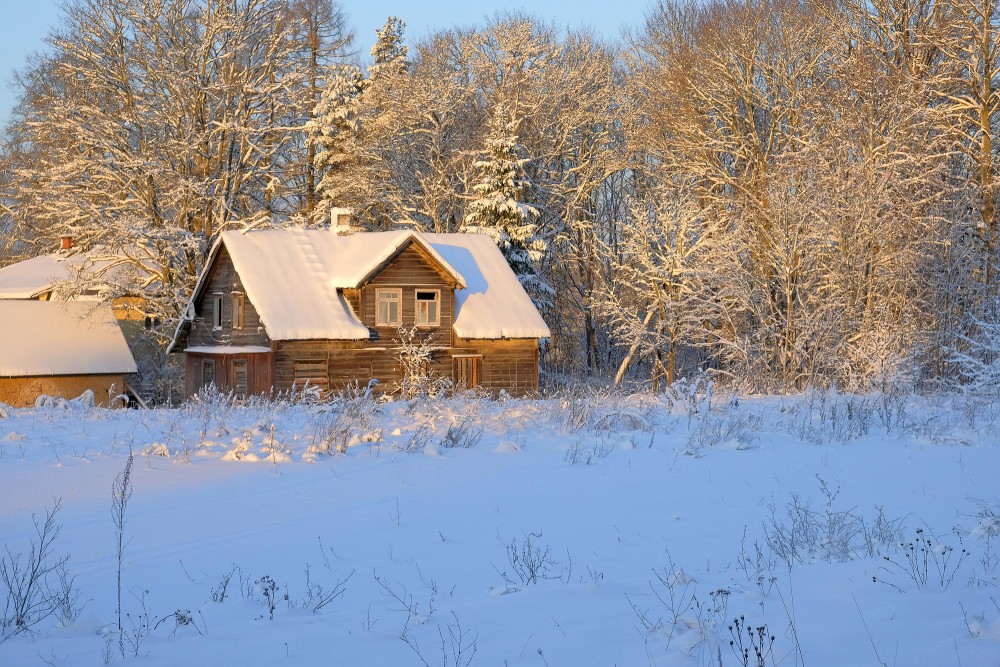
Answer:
(600, 531)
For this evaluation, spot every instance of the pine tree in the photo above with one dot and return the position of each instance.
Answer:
(389, 52)
(347, 129)
(497, 210)
(334, 135)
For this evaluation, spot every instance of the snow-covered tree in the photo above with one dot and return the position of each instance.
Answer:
(322, 39)
(333, 135)
(666, 285)
(498, 210)
(150, 127)
(389, 51)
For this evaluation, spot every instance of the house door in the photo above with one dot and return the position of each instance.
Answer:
(467, 372)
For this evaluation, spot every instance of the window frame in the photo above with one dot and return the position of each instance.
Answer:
(245, 365)
(417, 302)
(238, 302)
(389, 295)
(208, 368)
(216, 311)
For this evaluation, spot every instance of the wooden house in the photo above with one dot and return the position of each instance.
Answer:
(60, 349)
(276, 309)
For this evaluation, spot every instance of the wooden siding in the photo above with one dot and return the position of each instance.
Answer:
(511, 365)
(21, 392)
(411, 271)
(260, 371)
(224, 281)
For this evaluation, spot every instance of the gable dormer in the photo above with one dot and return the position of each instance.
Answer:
(409, 289)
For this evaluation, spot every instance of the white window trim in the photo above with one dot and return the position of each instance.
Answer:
(398, 294)
(416, 308)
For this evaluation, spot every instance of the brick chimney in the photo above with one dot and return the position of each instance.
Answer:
(65, 242)
(340, 220)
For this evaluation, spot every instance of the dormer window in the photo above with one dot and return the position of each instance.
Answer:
(428, 309)
(388, 304)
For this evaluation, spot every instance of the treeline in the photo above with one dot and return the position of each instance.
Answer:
(786, 192)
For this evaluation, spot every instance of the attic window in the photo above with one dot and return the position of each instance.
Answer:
(239, 312)
(428, 310)
(216, 311)
(387, 307)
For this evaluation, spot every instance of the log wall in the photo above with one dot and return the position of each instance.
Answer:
(224, 281)
(411, 271)
(259, 371)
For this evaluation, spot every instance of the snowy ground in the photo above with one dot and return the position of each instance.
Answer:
(607, 531)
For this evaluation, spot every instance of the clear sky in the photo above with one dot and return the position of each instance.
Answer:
(25, 23)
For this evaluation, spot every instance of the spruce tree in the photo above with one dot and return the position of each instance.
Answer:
(497, 209)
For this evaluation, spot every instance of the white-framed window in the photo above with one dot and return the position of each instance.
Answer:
(216, 311)
(239, 310)
(388, 307)
(428, 308)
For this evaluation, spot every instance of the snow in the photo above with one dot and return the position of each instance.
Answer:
(55, 338)
(32, 277)
(493, 304)
(294, 277)
(652, 537)
(28, 279)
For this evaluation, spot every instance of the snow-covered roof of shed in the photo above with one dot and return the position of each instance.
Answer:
(493, 303)
(28, 279)
(32, 277)
(60, 338)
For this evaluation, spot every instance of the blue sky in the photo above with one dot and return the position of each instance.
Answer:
(26, 23)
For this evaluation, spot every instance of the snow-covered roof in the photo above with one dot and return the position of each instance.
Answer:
(493, 303)
(294, 278)
(289, 276)
(35, 276)
(60, 338)
(28, 279)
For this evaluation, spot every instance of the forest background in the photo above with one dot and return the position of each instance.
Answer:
(783, 193)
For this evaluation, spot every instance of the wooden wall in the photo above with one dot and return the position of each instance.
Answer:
(411, 270)
(511, 365)
(260, 371)
(223, 280)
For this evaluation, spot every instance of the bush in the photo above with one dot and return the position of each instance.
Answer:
(37, 584)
